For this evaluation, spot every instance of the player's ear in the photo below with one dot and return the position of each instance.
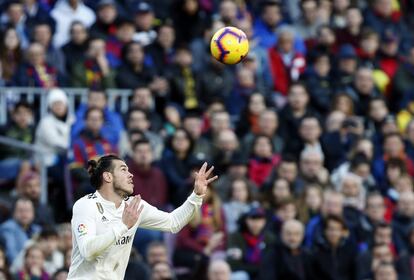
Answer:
(107, 176)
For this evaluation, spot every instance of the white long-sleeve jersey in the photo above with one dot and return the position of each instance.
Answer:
(102, 242)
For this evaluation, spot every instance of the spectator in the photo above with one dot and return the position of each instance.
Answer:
(311, 169)
(203, 148)
(112, 126)
(245, 248)
(308, 23)
(60, 274)
(19, 128)
(162, 270)
(226, 146)
(351, 32)
(106, 16)
(278, 192)
(76, 48)
(11, 54)
(36, 72)
(368, 263)
(35, 13)
(346, 67)
(14, 17)
(94, 71)
(16, 231)
(341, 265)
(237, 202)
(114, 43)
(402, 218)
(249, 116)
(283, 260)
(385, 271)
(310, 203)
(42, 34)
(144, 19)
(65, 12)
(144, 99)
(33, 265)
(219, 270)
(403, 84)
(156, 252)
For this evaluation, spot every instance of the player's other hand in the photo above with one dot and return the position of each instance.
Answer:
(202, 179)
(131, 212)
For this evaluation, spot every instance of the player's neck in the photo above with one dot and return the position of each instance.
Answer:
(110, 195)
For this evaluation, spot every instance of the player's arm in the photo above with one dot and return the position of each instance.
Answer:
(91, 244)
(152, 218)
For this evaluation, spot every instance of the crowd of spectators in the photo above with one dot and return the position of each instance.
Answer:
(312, 134)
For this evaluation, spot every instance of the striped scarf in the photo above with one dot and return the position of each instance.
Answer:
(254, 247)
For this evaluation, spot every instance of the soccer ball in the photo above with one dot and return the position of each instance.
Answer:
(229, 45)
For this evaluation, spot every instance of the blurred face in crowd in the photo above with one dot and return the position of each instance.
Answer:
(220, 121)
(366, 147)
(227, 141)
(257, 104)
(370, 44)
(383, 235)
(351, 186)
(193, 125)
(59, 108)
(326, 36)
(143, 155)
(268, 122)
(288, 170)
(255, 224)
(382, 253)
(161, 271)
(96, 48)
(94, 121)
(285, 42)
(310, 130)
(107, 14)
(271, 15)
(287, 212)
(311, 164)
(43, 34)
(353, 18)
(166, 36)
(157, 253)
(262, 147)
(364, 81)
(22, 116)
(36, 54)
(228, 11)
(385, 272)
(180, 141)
(334, 231)
(405, 204)
(334, 121)
(125, 32)
(49, 245)
(190, 6)
(310, 11)
(378, 110)
(142, 99)
(313, 198)
(332, 204)
(239, 191)
(24, 212)
(11, 40)
(375, 208)
(393, 146)
(172, 115)
(298, 97)
(280, 189)
(144, 21)
(340, 5)
(390, 48)
(135, 54)
(138, 120)
(34, 258)
(78, 33)
(237, 171)
(184, 58)
(219, 270)
(31, 188)
(348, 65)
(404, 184)
(322, 66)
(15, 13)
(292, 234)
(383, 7)
(97, 99)
(245, 77)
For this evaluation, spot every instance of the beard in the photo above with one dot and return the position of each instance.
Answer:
(121, 191)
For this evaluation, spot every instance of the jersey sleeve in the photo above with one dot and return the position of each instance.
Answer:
(152, 218)
(89, 243)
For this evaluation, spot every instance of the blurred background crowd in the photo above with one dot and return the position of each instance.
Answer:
(312, 134)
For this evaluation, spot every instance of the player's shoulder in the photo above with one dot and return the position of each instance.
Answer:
(85, 201)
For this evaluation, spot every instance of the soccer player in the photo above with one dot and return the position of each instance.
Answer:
(104, 222)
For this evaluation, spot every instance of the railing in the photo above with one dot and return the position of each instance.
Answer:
(34, 149)
(10, 95)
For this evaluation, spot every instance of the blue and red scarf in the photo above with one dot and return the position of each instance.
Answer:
(254, 247)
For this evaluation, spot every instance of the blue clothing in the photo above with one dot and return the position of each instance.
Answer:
(313, 229)
(14, 237)
(267, 37)
(111, 130)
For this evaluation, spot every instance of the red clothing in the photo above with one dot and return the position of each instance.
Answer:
(260, 169)
(282, 74)
(87, 147)
(150, 184)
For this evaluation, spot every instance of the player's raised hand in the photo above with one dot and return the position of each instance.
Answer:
(131, 212)
(202, 179)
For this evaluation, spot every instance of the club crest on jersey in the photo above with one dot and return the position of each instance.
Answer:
(82, 229)
(100, 208)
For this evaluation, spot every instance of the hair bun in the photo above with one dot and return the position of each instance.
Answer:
(92, 164)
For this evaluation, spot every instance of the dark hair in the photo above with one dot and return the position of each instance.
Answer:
(334, 218)
(188, 136)
(135, 109)
(256, 139)
(91, 109)
(47, 232)
(396, 163)
(60, 270)
(358, 159)
(382, 225)
(22, 104)
(142, 141)
(97, 168)
(125, 50)
(20, 198)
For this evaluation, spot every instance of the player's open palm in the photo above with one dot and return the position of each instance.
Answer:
(202, 179)
(131, 212)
